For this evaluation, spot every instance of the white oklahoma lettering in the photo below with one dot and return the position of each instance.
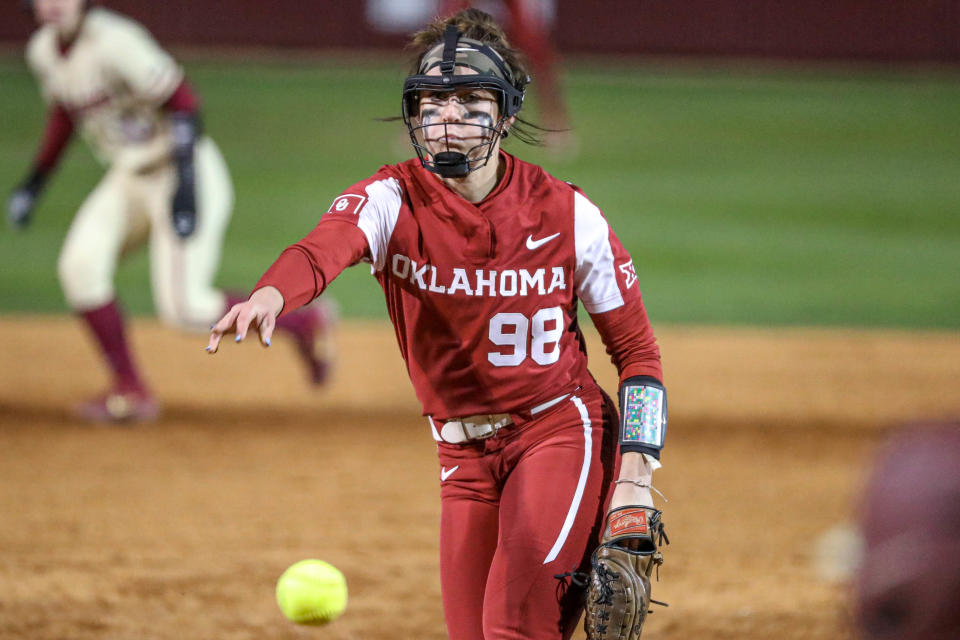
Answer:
(508, 283)
(399, 260)
(558, 281)
(416, 275)
(489, 283)
(433, 282)
(526, 280)
(460, 282)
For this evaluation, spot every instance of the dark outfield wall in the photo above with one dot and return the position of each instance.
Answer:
(890, 30)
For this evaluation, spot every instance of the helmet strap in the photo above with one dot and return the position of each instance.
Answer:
(449, 63)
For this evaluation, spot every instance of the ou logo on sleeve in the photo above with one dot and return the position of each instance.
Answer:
(347, 203)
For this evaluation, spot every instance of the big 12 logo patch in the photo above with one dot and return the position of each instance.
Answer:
(629, 274)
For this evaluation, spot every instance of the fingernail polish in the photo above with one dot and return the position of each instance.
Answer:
(268, 342)
(237, 339)
(206, 348)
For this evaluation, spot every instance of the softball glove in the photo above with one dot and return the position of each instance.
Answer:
(618, 593)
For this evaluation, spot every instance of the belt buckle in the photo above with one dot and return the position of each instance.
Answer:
(491, 423)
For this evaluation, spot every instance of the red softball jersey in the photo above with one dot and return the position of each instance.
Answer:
(483, 296)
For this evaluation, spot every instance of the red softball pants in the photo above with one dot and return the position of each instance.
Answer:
(517, 511)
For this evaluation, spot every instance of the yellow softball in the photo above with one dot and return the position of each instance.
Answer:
(312, 592)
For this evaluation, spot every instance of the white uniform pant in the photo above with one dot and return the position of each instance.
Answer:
(124, 209)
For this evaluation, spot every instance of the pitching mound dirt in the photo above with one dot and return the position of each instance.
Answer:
(179, 528)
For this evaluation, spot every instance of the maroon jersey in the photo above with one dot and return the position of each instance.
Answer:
(483, 296)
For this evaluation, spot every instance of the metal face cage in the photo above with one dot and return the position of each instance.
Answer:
(489, 72)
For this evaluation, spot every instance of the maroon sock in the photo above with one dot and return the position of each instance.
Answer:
(297, 323)
(106, 324)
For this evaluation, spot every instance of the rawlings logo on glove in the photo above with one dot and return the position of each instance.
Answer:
(630, 520)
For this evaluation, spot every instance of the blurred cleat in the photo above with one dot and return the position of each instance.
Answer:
(313, 334)
(120, 406)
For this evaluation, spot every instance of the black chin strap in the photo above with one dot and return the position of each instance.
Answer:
(451, 164)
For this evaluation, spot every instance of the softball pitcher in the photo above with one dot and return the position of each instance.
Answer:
(484, 260)
(166, 184)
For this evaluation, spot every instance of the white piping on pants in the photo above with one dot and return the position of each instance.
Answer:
(581, 483)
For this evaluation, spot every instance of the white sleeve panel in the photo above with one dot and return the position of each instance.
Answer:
(595, 276)
(379, 217)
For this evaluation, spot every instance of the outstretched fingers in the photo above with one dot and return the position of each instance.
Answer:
(267, 324)
(239, 320)
(247, 315)
(226, 324)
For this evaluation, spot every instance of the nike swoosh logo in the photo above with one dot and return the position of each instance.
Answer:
(536, 244)
(446, 473)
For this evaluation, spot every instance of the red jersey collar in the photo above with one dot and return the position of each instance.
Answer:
(504, 182)
(436, 187)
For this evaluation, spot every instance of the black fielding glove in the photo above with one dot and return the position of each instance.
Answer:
(185, 129)
(23, 199)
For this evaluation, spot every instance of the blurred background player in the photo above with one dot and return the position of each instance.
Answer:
(908, 586)
(104, 74)
(528, 22)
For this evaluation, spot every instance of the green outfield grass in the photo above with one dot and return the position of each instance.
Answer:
(795, 197)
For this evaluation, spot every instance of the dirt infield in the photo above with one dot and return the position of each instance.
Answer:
(178, 529)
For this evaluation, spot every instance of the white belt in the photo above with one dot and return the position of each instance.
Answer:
(481, 426)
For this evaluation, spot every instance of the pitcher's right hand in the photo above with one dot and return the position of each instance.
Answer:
(259, 312)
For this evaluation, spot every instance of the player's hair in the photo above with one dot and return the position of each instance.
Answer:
(478, 25)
